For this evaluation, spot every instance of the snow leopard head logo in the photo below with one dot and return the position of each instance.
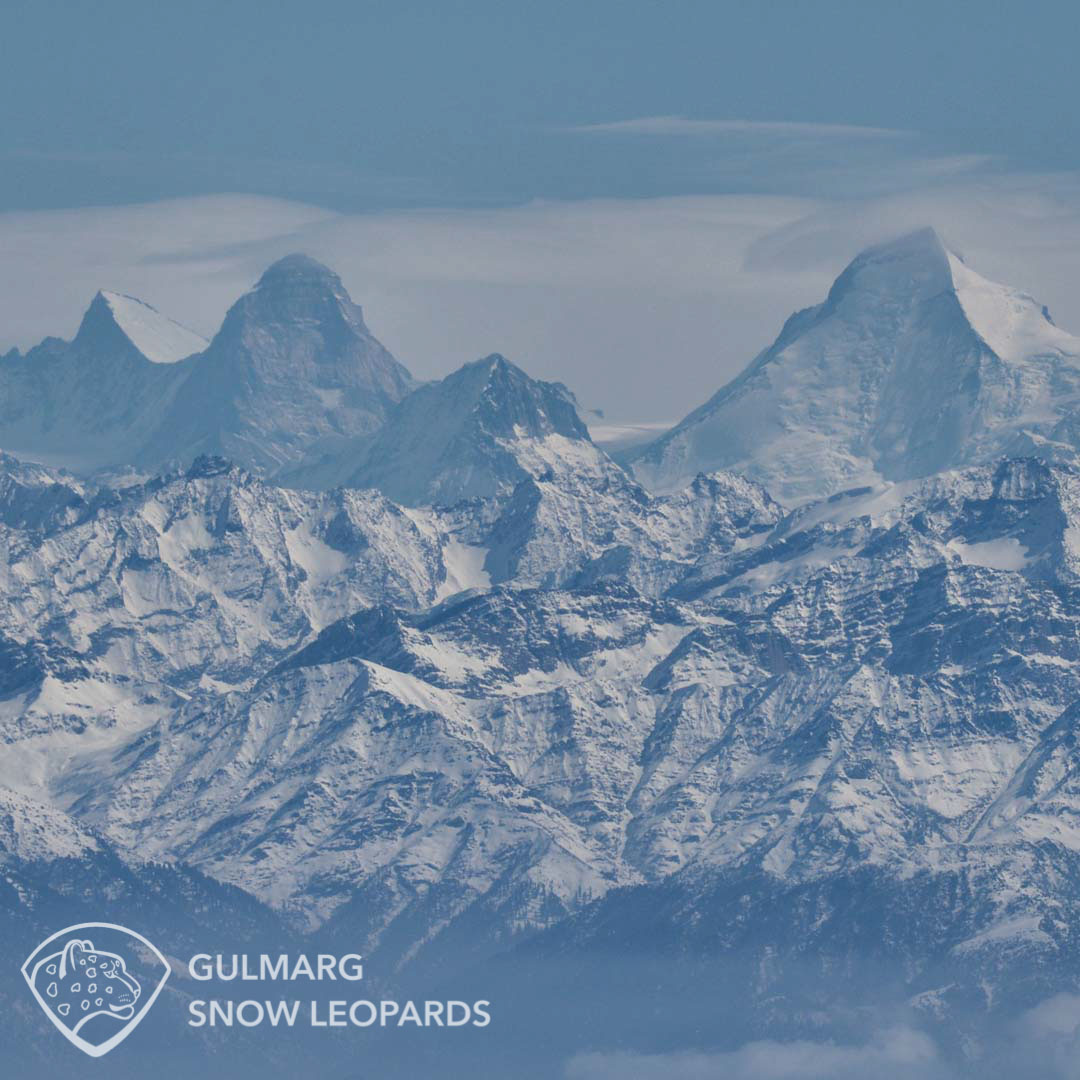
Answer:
(83, 982)
(87, 990)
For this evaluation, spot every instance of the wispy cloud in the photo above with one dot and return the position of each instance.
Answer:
(645, 307)
(1040, 1042)
(682, 125)
(898, 1054)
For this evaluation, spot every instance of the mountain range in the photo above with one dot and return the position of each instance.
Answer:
(293, 364)
(766, 731)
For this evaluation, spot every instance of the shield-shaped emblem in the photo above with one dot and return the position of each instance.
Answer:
(96, 982)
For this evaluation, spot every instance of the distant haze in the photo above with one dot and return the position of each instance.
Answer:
(643, 307)
(628, 197)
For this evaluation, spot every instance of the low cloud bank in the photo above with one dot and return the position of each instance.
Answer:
(645, 307)
(899, 1054)
(1043, 1043)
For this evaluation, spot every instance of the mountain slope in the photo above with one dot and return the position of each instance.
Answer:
(912, 365)
(119, 605)
(156, 336)
(93, 401)
(293, 364)
(880, 685)
(475, 434)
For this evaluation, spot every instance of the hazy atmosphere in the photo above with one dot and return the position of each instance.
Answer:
(629, 198)
(540, 540)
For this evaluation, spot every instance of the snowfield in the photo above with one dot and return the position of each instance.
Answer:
(430, 669)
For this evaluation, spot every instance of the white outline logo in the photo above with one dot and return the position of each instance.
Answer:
(77, 960)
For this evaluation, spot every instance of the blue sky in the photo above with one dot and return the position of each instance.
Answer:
(369, 105)
(627, 197)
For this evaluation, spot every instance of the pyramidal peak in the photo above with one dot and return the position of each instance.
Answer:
(482, 370)
(494, 362)
(293, 366)
(496, 370)
(116, 320)
(295, 294)
(296, 269)
(499, 399)
(477, 433)
(918, 268)
(913, 364)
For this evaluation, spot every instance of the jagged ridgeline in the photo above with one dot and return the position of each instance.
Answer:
(293, 364)
(767, 732)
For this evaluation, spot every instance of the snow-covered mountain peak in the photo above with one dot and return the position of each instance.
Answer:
(299, 312)
(1011, 323)
(477, 433)
(297, 267)
(513, 403)
(918, 268)
(913, 364)
(914, 267)
(94, 401)
(491, 367)
(299, 290)
(115, 321)
(293, 366)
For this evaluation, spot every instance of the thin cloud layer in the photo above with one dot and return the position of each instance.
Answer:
(644, 307)
(898, 1054)
(1043, 1042)
(682, 125)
